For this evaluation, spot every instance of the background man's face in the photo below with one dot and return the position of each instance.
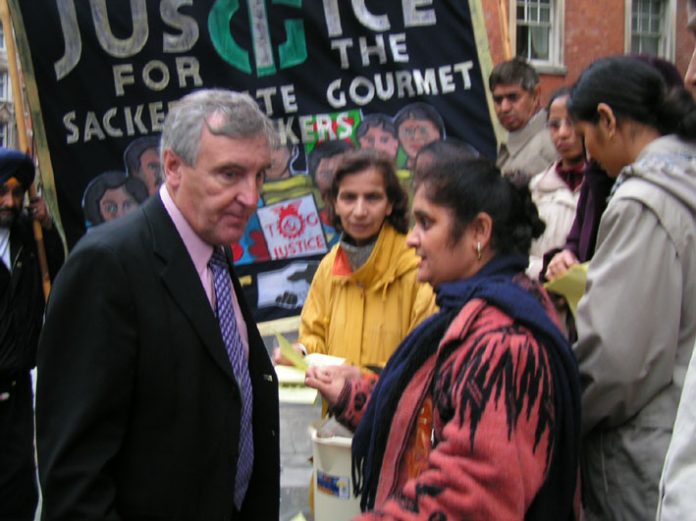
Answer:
(514, 106)
(11, 195)
(690, 78)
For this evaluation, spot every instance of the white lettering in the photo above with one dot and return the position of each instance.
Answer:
(161, 69)
(123, 75)
(413, 17)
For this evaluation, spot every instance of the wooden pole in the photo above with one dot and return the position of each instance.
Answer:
(504, 29)
(22, 134)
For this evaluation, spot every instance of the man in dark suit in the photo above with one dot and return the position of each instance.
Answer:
(21, 316)
(139, 411)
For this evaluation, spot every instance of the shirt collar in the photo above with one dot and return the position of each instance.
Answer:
(199, 250)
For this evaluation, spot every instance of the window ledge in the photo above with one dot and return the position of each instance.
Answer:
(547, 68)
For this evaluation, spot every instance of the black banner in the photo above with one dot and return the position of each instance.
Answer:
(394, 75)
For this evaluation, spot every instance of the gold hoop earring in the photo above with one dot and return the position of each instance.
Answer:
(478, 250)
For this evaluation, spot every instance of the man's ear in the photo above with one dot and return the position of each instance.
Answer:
(607, 119)
(172, 167)
(536, 96)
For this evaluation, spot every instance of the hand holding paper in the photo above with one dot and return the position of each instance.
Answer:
(290, 353)
(571, 285)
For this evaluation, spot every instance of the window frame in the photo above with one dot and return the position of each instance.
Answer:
(667, 44)
(5, 87)
(555, 64)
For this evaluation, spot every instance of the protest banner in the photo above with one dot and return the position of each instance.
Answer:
(101, 74)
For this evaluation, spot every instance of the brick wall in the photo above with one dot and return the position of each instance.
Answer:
(592, 29)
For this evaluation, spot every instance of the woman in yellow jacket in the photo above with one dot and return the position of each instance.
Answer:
(365, 297)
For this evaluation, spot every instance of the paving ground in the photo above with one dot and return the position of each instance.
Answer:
(295, 453)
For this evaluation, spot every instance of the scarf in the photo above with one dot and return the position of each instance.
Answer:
(357, 255)
(494, 284)
(572, 176)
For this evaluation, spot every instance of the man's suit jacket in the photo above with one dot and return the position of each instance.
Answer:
(137, 407)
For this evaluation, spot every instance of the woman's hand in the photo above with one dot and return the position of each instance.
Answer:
(330, 380)
(279, 359)
(560, 263)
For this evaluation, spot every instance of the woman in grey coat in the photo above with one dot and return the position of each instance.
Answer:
(637, 321)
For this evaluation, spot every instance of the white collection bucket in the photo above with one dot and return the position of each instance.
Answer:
(333, 486)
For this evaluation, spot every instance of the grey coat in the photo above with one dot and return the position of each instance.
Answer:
(636, 328)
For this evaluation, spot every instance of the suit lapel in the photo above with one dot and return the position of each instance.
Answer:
(180, 278)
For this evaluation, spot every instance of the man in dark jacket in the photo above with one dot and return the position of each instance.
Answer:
(156, 397)
(21, 311)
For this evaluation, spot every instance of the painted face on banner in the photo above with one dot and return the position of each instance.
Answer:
(325, 174)
(218, 194)
(414, 134)
(115, 203)
(150, 170)
(280, 169)
(379, 139)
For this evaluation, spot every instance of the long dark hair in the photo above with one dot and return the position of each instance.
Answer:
(635, 91)
(357, 161)
(469, 186)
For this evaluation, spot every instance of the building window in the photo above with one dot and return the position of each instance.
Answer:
(2, 37)
(3, 86)
(537, 30)
(3, 135)
(651, 27)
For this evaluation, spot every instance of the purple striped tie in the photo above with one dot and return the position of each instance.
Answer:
(236, 352)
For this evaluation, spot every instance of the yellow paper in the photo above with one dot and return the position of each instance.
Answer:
(289, 352)
(570, 286)
(299, 517)
(297, 395)
(291, 387)
(322, 360)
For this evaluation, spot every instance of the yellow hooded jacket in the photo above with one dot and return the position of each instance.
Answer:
(363, 316)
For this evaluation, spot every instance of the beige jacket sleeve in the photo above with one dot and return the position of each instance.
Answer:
(677, 498)
(628, 320)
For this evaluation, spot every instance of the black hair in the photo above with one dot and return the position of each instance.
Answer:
(446, 149)
(375, 120)
(98, 186)
(473, 185)
(666, 68)
(357, 161)
(324, 150)
(514, 72)
(558, 93)
(135, 149)
(421, 111)
(635, 91)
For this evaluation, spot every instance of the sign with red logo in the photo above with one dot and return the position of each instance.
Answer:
(292, 228)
